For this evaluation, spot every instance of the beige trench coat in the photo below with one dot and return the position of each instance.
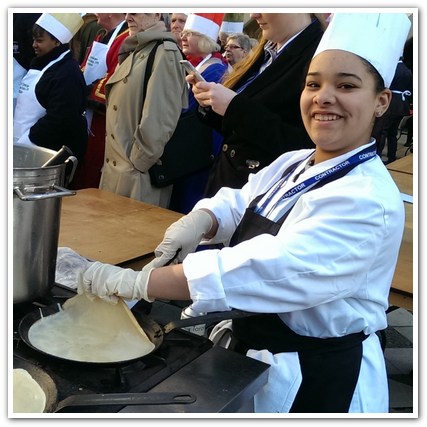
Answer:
(136, 134)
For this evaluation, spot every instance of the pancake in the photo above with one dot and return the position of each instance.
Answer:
(91, 330)
(28, 396)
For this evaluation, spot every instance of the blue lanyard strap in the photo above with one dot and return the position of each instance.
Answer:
(302, 187)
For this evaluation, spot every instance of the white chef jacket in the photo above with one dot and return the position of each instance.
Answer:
(327, 272)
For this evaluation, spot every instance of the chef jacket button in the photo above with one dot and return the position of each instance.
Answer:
(112, 136)
(225, 147)
(232, 153)
(107, 160)
(125, 80)
(115, 107)
(114, 163)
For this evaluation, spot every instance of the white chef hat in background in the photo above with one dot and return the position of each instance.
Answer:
(377, 37)
(63, 26)
(205, 23)
(232, 23)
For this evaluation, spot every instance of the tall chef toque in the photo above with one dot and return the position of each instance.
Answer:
(63, 26)
(377, 37)
(205, 23)
(233, 23)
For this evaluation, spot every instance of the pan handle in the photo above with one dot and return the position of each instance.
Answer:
(207, 318)
(160, 398)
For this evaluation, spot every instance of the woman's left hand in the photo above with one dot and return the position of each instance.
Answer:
(213, 95)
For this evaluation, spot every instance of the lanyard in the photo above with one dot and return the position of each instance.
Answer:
(302, 187)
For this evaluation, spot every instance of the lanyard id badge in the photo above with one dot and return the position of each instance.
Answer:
(272, 199)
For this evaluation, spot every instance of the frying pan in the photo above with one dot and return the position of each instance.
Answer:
(52, 405)
(153, 330)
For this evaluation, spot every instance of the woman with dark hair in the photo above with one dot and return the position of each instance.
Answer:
(312, 239)
(50, 108)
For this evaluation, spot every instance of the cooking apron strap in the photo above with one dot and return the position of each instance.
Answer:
(326, 389)
(252, 224)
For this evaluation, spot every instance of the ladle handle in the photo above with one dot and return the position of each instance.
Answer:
(59, 158)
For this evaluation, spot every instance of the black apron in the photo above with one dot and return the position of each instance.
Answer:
(330, 366)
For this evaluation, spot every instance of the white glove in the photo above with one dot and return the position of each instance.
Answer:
(181, 238)
(109, 282)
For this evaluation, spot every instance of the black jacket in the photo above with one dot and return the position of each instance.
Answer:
(264, 120)
(402, 81)
(62, 92)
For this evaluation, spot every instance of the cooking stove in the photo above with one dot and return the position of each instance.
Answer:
(178, 349)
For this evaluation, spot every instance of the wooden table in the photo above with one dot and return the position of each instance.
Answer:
(401, 294)
(404, 164)
(103, 226)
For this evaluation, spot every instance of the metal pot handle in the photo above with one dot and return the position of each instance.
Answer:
(60, 192)
(70, 169)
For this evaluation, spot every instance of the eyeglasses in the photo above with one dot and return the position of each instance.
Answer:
(188, 33)
(232, 46)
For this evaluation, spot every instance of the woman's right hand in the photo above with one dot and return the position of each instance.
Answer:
(214, 95)
(183, 237)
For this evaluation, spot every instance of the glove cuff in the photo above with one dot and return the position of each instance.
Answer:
(203, 219)
(141, 284)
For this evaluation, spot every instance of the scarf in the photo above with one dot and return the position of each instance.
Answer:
(197, 60)
(132, 43)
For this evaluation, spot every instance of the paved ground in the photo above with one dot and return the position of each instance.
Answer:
(399, 360)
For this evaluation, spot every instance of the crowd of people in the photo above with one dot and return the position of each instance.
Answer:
(107, 160)
(251, 125)
(298, 218)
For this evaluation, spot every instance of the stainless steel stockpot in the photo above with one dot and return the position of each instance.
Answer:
(37, 197)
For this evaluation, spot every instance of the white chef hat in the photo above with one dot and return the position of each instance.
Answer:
(63, 26)
(377, 37)
(205, 23)
(233, 23)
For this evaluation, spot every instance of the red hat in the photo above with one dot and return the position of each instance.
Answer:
(207, 24)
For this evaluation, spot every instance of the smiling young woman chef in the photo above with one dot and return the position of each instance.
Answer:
(313, 239)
